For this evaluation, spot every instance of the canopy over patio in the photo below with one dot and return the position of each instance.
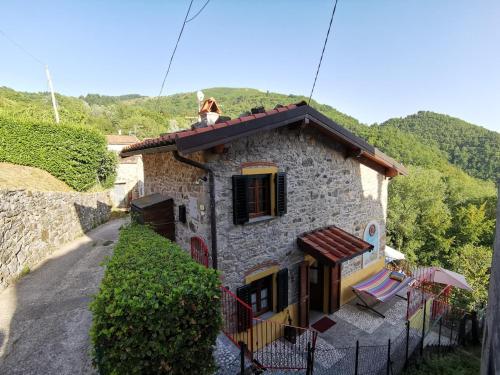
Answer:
(332, 245)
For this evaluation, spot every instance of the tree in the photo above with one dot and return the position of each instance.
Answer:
(472, 226)
(418, 219)
(474, 263)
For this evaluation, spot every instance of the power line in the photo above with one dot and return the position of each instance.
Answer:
(47, 73)
(21, 48)
(197, 13)
(175, 49)
(322, 52)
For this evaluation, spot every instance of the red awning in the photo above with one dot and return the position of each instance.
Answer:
(332, 245)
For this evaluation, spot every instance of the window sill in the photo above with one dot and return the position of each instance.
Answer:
(260, 219)
(266, 316)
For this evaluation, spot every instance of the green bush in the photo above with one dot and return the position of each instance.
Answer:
(157, 311)
(74, 154)
(107, 170)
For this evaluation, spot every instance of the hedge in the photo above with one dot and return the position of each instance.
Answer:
(157, 311)
(74, 154)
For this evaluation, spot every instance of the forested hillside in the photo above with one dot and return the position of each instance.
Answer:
(147, 117)
(473, 148)
(439, 214)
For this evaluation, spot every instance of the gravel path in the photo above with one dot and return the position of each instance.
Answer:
(44, 318)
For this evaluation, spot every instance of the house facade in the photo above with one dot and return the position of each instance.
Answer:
(293, 204)
(129, 182)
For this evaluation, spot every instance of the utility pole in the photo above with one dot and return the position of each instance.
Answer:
(53, 96)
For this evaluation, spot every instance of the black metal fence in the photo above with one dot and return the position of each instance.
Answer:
(423, 332)
(429, 330)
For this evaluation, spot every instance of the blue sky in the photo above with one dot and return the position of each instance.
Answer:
(384, 58)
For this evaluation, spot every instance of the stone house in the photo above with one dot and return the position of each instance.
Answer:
(291, 206)
(129, 183)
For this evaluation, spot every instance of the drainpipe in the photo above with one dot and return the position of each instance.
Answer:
(211, 184)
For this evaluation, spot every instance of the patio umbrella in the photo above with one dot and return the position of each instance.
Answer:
(392, 253)
(443, 276)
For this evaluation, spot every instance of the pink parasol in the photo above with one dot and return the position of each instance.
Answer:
(447, 277)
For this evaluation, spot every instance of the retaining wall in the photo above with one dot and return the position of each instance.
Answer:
(35, 223)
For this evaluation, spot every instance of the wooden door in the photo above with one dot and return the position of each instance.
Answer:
(304, 294)
(316, 272)
(335, 288)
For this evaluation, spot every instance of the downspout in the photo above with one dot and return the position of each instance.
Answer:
(211, 184)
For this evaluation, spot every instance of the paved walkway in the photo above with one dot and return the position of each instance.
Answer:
(44, 318)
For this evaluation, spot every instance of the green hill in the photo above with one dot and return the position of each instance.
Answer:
(473, 148)
(146, 116)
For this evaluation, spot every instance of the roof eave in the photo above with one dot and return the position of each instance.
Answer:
(367, 153)
(149, 150)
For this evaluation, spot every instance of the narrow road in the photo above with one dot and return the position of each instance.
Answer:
(44, 317)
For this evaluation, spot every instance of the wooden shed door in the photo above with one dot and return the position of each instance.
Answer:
(335, 288)
(304, 294)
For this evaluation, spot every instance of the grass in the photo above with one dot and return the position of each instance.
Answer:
(26, 270)
(462, 361)
(118, 213)
(13, 176)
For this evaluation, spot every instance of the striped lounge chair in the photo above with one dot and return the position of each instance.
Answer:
(380, 288)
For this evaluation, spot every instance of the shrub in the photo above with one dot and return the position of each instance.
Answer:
(74, 154)
(157, 311)
(107, 170)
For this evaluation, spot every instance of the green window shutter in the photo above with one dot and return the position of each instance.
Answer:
(281, 192)
(240, 199)
(282, 284)
(244, 314)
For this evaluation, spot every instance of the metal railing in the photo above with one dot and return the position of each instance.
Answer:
(281, 346)
(199, 251)
(268, 344)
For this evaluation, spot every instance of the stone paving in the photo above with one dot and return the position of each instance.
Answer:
(227, 356)
(355, 323)
(335, 348)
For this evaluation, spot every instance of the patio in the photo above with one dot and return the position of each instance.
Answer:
(355, 323)
(336, 347)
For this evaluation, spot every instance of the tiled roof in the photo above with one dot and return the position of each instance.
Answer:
(225, 132)
(115, 139)
(169, 139)
(332, 244)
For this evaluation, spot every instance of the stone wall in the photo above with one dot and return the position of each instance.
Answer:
(33, 224)
(163, 174)
(324, 188)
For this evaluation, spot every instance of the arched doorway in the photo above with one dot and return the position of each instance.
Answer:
(199, 250)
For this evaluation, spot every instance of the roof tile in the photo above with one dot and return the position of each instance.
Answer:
(332, 244)
(171, 137)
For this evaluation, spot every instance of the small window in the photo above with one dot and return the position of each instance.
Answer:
(259, 195)
(261, 295)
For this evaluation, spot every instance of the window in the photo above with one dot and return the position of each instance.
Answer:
(259, 195)
(261, 295)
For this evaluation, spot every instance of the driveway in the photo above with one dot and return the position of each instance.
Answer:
(44, 317)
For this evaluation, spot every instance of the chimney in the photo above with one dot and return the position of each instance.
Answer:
(209, 113)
